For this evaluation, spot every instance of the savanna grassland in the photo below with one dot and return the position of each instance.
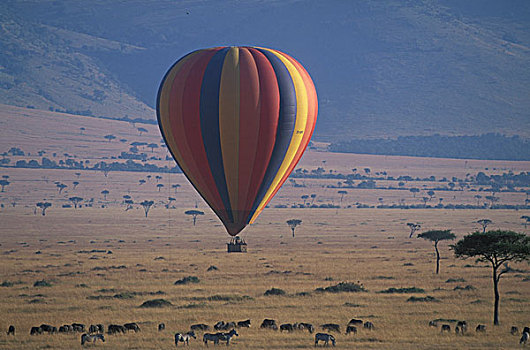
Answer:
(101, 261)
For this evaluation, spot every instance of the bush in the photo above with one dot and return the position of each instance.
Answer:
(428, 298)
(343, 287)
(42, 283)
(275, 291)
(468, 287)
(156, 303)
(6, 284)
(403, 290)
(455, 280)
(188, 279)
(212, 268)
(218, 297)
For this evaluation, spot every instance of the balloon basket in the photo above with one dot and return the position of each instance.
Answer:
(236, 245)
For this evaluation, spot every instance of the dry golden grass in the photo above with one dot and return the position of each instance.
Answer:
(366, 245)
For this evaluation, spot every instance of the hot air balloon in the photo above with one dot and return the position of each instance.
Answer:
(237, 121)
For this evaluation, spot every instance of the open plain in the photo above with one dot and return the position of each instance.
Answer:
(102, 260)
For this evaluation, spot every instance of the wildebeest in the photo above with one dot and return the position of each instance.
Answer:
(286, 327)
(92, 329)
(526, 329)
(354, 322)
(132, 326)
(462, 326)
(184, 338)
(445, 328)
(66, 328)
(303, 325)
(219, 325)
(480, 328)
(116, 328)
(524, 338)
(433, 323)
(326, 338)
(35, 330)
(11, 330)
(199, 327)
(91, 338)
(351, 329)
(224, 326)
(331, 327)
(78, 327)
(101, 328)
(514, 330)
(368, 325)
(269, 323)
(245, 323)
(161, 327)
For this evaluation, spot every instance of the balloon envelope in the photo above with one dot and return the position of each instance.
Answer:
(237, 121)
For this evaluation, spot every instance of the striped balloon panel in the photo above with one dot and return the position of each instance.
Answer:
(237, 121)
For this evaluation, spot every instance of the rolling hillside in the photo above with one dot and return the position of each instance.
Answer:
(382, 69)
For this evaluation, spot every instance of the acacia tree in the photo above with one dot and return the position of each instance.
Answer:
(293, 223)
(342, 193)
(413, 228)
(147, 206)
(176, 187)
(484, 223)
(3, 184)
(436, 236)
(414, 190)
(43, 206)
(159, 186)
(61, 187)
(105, 193)
(496, 247)
(194, 213)
(75, 201)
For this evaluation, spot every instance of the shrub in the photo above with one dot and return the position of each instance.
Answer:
(403, 290)
(428, 298)
(455, 280)
(468, 287)
(212, 268)
(218, 297)
(275, 291)
(188, 279)
(6, 284)
(343, 287)
(156, 303)
(42, 283)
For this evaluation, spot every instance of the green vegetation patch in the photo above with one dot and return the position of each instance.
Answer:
(234, 297)
(450, 280)
(428, 298)
(187, 280)
(275, 291)
(343, 287)
(42, 283)
(156, 303)
(402, 290)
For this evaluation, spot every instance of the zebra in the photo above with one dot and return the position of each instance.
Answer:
(244, 324)
(132, 327)
(462, 325)
(480, 328)
(524, 338)
(228, 336)
(91, 338)
(326, 338)
(354, 322)
(514, 330)
(445, 328)
(351, 329)
(368, 325)
(184, 338)
(35, 330)
(199, 327)
(331, 327)
(161, 327)
(286, 327)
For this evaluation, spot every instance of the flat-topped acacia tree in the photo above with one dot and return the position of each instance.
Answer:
(147, 206)
(436, 236)
(293, 223)
(194, 213)
(496, 247)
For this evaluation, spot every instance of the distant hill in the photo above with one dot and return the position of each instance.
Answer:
(382, 68)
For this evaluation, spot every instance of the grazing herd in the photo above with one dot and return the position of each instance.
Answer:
(95, 332)
(461, 329)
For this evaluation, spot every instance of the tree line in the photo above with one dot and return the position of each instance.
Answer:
(485, 146)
